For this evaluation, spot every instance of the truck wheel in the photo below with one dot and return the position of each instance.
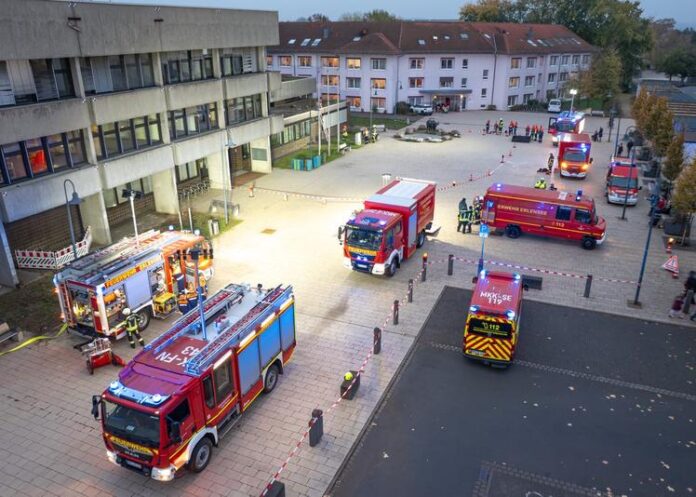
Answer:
(513, 231)
(271, 380)
(391, 269)
(143, 316)
(200, 457)
(589, 243)
(421, 239)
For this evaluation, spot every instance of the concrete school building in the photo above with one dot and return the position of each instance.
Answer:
(121, 96)
(374, 65)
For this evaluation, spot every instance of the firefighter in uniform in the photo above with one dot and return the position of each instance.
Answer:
(469, 218)
(132, 328)
(540, 184)
(461, 221)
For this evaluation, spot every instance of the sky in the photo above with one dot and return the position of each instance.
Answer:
(414, 9)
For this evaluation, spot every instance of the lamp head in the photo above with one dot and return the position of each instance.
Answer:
(75, 200)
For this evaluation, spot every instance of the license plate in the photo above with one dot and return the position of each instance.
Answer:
(478, 353)
(133, 464)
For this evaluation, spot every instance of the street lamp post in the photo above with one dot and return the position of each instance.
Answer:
(628, 184)
(131, 195)
(483, 234)
(225, 176)
(74, 200)
(573, 92)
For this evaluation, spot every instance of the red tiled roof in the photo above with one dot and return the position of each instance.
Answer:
(427, 37)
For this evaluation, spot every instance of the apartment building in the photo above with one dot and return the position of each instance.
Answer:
(111, 97)
(461, 64)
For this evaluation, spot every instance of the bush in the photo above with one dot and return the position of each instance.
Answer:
(491, 107)
(402, 108)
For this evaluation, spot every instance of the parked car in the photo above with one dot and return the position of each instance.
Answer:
(422, 109)
(554, 105)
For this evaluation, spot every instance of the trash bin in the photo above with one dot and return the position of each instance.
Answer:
(358, 138)
(213, 227)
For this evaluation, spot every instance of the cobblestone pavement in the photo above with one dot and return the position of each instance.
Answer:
(51, 446)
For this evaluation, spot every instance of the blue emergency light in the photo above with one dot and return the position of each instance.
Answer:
(473, 308)
(578, 195)
(510, 314)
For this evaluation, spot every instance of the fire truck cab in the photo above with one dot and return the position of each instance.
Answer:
(620, 177)
(565, 122)
(174, 400)
(574, 154)
(390, 228)
(492, 324)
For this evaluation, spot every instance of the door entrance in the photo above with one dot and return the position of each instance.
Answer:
(240, 159)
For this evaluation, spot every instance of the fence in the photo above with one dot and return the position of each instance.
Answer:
(48, 259)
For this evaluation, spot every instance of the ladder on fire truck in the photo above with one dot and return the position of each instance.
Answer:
(224, 298)
(269, 306)
(117, 250)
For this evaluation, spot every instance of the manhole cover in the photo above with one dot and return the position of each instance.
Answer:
(497, 480)
(268, 231)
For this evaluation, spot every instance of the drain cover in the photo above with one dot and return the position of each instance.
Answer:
(268, 231)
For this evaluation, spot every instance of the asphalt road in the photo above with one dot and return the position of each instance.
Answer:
(595, 402)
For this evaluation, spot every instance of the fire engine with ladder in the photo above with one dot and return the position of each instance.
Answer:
(145, 274)
(177, 397)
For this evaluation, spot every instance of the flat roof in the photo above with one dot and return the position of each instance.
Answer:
(497, 292)
(534, 194)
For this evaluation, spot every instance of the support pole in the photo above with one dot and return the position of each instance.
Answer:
(450, 265)
(588, 286)
(395, 313)
(410, 290)
(377, 341)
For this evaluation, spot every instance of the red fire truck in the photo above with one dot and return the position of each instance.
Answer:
(566, 122)
(574, 154)
(189, 386)
(390, 228)
(492, 325)
(622, 176)
(557, 214)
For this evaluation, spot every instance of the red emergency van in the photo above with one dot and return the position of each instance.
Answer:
(565, 122)
(390, 228)
(574, 154)
(553, 213)
(492, 324)
(622, 176)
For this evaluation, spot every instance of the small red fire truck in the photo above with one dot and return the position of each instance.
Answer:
(574, 154)
(566, 122)
(492, 325)
(145, 275)
(622, 175)
(553, 213)
(189, 386)
(390, 228)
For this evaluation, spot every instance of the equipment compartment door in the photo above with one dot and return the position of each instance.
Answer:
(249, 361)
(137, 290)
(412, 228)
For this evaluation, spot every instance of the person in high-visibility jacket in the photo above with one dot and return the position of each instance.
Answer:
(461, 221)
(132, 328)
(540, 184)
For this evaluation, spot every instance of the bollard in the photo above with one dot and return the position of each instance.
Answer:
(410, 290)
(276, 489)
(377, 339)
(316, 427)
(251, 190)
(670, 242)
(425, 267)
(588, 286)
(350, 386)
(395, 313)
(502, 158)
(450, 265)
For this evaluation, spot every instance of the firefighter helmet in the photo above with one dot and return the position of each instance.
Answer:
(348, 376)
(126, 311)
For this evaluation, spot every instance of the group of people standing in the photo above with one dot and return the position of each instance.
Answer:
(535, 132)
(469, 215)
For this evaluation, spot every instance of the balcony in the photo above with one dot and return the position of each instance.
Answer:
(112, 107)
(183, 95)
(130, 167)
(245, 84)
(42, 119)
(294, 88)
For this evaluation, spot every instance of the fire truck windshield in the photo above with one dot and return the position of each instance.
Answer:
(131, 424)
(574, 155)
(485, 327)
(364, 238)
(566, 126)
(622, 182)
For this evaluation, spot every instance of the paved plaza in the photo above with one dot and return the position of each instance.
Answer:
(50, 445)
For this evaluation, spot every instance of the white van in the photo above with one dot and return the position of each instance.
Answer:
(554, 105)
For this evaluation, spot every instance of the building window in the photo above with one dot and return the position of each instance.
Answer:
(552, 77)
(355, 103)
(57, 151)
(232, 64)
(291, 133)
(378, 103)
(465, 63)
(329, 98)
(243, 109)
(353, 62)
(329, 62)
(446, 82)
(304, 60)
(527, 97)
(111, 145)
(463, 85)
(192, 120)
(585, 59)
(37, 156)
(565, 59)
(415, 82)
(14, 161)
(531, 62)
(514, 82)
(378, 83)
(515, 62)
(563, 76)
(187, 65)
(484, 92)
(126, 136)
(512, 100)
(485, 74)
(415, 100)
(352, 82)
(52, 79)
(379, 64)
(416, 63)
(529, 81)
(114, 139)
(446, 63)
(553, 60)
(269, 60)
(329, 80)
(576, 59)
(285, 60)
(190, 170)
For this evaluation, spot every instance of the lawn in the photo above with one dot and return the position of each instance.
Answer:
(389, 122)
(32, 306)
(286, 162)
